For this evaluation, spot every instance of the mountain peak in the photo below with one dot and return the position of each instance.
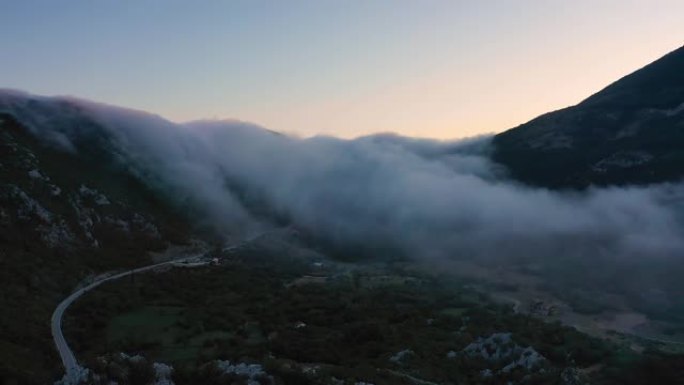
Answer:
(658, 84)
(631, 132)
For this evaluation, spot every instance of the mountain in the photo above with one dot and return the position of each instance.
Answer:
(64, 217)
(631, 132)
(87, 188)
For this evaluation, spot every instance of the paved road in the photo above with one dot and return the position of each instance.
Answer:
(73, 370)
(415, 380)
(71, 366)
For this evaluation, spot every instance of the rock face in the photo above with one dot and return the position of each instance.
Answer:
(63, 202)
(504, 354)
(254, 374)
(631, 132)
(162, 374)
(121, 368)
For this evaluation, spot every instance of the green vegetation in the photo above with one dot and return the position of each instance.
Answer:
(248, 312)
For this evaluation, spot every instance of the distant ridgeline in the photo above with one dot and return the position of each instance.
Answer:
(631, 132)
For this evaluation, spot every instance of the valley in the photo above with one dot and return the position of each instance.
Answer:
(600, 314)
(287, 314)
(137, 250)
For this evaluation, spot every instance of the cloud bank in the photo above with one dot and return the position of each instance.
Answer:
(385, 194)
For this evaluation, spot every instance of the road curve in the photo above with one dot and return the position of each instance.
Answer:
(71, 366)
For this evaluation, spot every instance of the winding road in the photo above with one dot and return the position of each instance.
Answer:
(73, 370)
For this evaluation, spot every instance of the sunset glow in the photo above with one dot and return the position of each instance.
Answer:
(442, 69)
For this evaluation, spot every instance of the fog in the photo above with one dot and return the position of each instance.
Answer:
(385, 195)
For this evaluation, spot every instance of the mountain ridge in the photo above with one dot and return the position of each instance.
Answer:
(630, 132)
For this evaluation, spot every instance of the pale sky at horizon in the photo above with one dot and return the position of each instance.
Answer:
(440, 69)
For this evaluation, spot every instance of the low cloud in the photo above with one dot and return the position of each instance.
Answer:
(428, 200)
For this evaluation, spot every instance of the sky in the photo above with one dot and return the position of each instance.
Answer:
(440, 69)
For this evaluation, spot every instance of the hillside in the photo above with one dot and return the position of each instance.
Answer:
(631, 132)
(353, 252)
(63, 218)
